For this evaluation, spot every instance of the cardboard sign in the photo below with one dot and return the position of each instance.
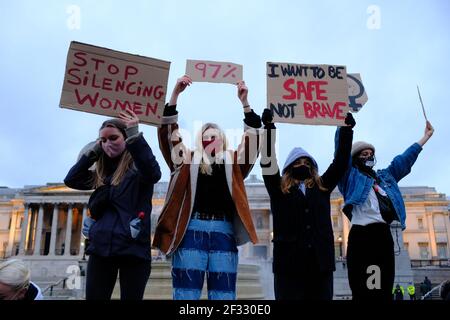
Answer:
(307, 94)
(213, 71)
(357, 96)
(103, 81)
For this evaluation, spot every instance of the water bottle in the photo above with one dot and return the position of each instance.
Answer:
(135, 225)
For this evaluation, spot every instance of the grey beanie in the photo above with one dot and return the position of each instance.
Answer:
(359, 146)
(116, 123)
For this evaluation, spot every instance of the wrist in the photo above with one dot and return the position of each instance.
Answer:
(173, 99)
(132, 131)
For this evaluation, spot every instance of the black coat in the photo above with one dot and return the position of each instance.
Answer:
(302, 227)
(110, 235)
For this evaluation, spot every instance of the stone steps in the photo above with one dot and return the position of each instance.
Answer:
(159, 285)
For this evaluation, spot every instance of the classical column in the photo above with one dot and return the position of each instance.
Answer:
(31, 235)
(82, 248)
(447, 228)
(431, 234)
(12, 233)
(68, 230)
(24, 230)
(37, 243)
(54, 233)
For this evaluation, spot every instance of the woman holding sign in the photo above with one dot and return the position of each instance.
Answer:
(119, 239)
(372, 202)
(206, 215)
(303, 242)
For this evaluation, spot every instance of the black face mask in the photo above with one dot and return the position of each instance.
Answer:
(367, 162)
(301, 172)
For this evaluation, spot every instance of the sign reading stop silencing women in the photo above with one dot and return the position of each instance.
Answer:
(103, 81)
(307, 94)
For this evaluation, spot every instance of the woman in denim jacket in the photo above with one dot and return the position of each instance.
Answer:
(372, 201)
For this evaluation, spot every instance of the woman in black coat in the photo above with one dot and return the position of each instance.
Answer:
(119, 239)
(303, 242)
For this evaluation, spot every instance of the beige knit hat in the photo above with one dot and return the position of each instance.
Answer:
(359, 146)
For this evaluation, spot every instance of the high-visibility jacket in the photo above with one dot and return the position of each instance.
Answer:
(411, 290)
(401, 288)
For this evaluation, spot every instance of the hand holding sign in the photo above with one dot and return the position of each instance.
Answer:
(350, 121)
(213, 71)
(129, 118)
(243, 93)
(429, 130)
(182, 83)
(180, 86)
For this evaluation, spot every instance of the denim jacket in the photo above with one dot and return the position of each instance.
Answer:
(355, 186)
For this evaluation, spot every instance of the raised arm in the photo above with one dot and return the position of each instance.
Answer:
(248, 150)
(429, 130)
(170, 141)
(343, 146)
(269, 163)
(144, 160)
(79, 176)
(401, 165)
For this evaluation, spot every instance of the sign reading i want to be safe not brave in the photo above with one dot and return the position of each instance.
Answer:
(307, 94)
(103, 81)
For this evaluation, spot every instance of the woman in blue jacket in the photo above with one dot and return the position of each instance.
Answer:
(372, 201)
(119, 239)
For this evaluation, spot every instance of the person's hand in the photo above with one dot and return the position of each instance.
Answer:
(243, 93)
(349, 120)
(129, 118)
(429, 130)
(267, 117)
(182, 83)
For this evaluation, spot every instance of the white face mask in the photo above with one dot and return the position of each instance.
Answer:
(370, 161)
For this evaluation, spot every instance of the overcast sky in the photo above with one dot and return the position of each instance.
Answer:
(395, 45)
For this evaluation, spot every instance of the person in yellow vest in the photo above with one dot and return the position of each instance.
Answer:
(411, 291)
(398, 292)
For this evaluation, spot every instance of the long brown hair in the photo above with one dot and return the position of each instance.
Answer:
(287, 181)
(126, 162)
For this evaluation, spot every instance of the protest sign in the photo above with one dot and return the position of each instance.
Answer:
(357, 95)
(103, 81)
(213, 71)
(307, 94)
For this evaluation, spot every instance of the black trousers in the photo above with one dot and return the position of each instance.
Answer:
(102, 275)
(371, 245)
(310, 283)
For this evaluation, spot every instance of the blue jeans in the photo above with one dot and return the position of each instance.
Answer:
(207, 247)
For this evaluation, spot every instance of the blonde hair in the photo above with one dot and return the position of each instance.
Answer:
(206, 162)
(287, 181)
(126, 162)
(15, 273)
